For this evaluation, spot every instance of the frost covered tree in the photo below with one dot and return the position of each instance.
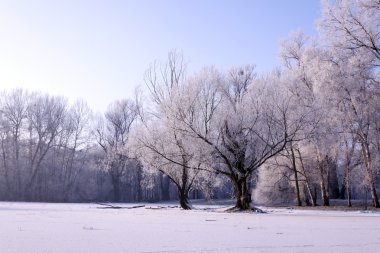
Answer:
(112, 133)
(355, 74)
(313, 78)
(357, 98)
(158, 144)
(241, 122)
(159, 148)
(353, 26)
(339, 78)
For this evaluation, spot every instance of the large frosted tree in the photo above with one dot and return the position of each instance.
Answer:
(240, 121)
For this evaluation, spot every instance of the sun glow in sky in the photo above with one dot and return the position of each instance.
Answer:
(99, 50)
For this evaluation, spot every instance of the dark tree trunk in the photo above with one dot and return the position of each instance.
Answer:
(298, 195)
(184, 188)
(375, 200)
(325, 196)
(371, 181)
(348, 186)
(183, 198)
(242, 194)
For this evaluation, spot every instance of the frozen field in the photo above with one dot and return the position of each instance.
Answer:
(43, 228)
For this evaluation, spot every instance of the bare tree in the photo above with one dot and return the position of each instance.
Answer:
(158, 144)
(112, 134)
(45, 116)
(73, 145)
(14, 112)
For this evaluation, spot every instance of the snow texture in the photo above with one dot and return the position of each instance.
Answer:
(48, 228)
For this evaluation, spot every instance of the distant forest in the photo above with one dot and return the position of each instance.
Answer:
(302, 134)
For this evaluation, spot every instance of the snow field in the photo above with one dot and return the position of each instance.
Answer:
(48, 228)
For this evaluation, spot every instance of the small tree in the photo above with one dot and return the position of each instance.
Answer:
(158, 144)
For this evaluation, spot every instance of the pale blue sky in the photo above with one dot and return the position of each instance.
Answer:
(99, 50)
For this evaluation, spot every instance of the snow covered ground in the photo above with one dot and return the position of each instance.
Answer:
(48, 228)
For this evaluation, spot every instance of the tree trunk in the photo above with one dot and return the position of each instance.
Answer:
(307, 181)
(242, 194)
(375, 200)
(323, 169)
(371, 181)
(183, 190)
(183, 198)
(298, 195)
(311, 196)
(325, 196)
(347, 177)
(348, 186)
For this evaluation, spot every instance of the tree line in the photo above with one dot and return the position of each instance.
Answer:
(305, 133)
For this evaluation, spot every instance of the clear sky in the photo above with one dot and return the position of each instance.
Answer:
(99, 50)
